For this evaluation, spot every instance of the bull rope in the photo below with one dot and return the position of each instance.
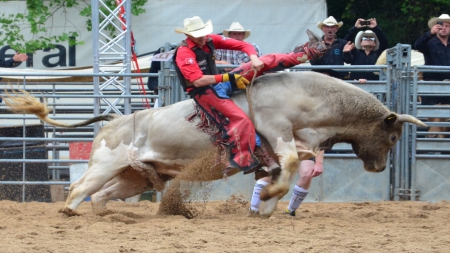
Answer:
(145, 169)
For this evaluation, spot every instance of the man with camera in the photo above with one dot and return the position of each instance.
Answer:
(434, 46)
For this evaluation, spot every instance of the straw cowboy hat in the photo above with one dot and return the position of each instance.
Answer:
(441, 18)
(195, 27)
(367, 33)
(330, 21)
(236, 27)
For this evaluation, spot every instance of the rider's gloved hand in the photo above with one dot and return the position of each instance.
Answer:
(235, 79)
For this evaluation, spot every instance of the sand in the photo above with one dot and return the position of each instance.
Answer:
(223, 226)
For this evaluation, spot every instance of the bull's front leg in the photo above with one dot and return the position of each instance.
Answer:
(287, 155)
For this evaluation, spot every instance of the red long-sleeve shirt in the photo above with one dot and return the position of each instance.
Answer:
(186, 59)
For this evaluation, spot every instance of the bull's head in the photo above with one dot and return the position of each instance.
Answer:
(373, 146)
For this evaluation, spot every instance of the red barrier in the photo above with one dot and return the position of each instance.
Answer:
(79, 150)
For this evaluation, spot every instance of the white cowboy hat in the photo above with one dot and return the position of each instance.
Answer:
(441, 18)
(236, 27)
(195, 27)
(367, 33)
(330, 21)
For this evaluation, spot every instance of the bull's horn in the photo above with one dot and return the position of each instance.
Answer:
(313, 38)
(410, 119)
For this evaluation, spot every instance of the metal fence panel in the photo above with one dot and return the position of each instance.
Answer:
(430, 174)
(433, 179)
(411, 166)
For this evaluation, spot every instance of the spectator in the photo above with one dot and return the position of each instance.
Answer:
(367, 48)
(334, 55)
(155, 67)
(434, 45)
(13, 62)
(235, 57)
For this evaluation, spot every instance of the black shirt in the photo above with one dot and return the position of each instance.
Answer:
(359, 57)
(7, 64)
(333, 56)
(435, 54)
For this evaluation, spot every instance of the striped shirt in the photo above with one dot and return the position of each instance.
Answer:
(234, 57)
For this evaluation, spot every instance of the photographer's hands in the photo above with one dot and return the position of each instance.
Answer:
(361, 23)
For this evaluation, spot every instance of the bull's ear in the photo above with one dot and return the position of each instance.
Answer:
(390, 119)
(313, 38)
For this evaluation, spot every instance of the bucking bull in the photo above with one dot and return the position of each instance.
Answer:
(297, 114)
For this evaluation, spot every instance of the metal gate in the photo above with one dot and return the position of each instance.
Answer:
(430, 159)
(417, 168)
(410, 174)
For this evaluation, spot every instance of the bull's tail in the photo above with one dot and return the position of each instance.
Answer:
(23, 102)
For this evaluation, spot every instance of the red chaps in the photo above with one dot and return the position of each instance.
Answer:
(234, 124)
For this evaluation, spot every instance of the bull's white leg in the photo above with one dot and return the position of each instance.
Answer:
(127, 184)
(100, 198)
(105, 164)
(288, 158)
(76, 183)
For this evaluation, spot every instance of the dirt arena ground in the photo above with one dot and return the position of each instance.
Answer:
(224, 227)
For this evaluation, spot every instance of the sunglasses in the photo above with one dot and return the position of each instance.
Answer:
(368, 38)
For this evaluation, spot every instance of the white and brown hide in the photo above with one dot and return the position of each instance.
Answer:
(298, 114)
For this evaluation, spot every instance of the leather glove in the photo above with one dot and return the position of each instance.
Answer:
(235, 79)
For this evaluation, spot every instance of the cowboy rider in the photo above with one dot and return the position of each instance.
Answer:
(196, 69)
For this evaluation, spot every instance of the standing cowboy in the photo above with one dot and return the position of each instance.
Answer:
(234, 57)
(334, 55)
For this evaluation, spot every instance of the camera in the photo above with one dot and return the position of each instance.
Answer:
(365, 23)
(439, 23)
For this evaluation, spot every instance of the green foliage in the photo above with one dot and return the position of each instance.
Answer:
(403, 21)
(35, 20)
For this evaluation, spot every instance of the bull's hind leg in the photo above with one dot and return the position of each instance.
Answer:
(105, 164)
(95, 178)
(127, 184)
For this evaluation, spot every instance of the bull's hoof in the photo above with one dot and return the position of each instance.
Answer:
(268, 207)
(69, 212)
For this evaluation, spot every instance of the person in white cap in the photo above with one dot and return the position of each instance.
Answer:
(334, 54)
(368, 46)
(235, 57)
(435, 47)
(197, 71)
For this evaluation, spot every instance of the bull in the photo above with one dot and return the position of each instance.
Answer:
(297, 114)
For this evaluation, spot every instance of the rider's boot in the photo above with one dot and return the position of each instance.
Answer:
(270, 162)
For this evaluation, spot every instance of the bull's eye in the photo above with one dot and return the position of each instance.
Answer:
(393, 138)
